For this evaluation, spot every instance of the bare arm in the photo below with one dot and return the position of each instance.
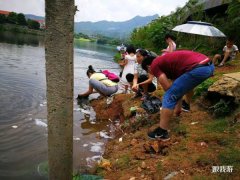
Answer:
(163, 80)
(123, 62)
(90, 91)
(170, 48)
(135, 80)
(148, 81)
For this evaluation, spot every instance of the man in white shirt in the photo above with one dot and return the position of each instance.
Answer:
(230, 50)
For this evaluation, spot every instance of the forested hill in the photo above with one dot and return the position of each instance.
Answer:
(111, 28)
(31, 16)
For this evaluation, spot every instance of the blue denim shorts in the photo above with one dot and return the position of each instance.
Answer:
(185, 83)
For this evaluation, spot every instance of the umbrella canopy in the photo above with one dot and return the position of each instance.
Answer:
(200, 28)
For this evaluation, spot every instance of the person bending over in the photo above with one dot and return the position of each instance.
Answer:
(100, 83)
(187, 69)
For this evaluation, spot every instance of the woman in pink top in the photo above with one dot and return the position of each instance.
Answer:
(171, 44)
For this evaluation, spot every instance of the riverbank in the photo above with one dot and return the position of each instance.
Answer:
(201, 143)
(84, 40)
(21, 29)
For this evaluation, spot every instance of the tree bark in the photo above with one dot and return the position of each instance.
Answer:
(59, 76)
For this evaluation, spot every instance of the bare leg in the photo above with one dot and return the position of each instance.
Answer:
(188, 96)
(126, 88)
(165, 117)
(226, 55)
(178, 108)
(216, 58)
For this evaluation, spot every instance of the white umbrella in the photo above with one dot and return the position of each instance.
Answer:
(200, 28)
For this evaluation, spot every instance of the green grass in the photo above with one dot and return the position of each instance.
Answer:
(219, 126)
(181, 130)
(230, 157)
(123, 162)
(83, 39)
(86, 177)
(203, 87)
(204, 160)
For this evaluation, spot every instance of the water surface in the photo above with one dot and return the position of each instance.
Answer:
(23, 123)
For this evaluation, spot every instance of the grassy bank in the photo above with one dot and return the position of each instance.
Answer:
(84, 40)
(20, 29)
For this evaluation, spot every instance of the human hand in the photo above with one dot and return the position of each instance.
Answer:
(135, 87)
(82, 96)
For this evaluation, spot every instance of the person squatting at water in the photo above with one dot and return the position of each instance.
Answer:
(100, 83)
(141, 81)
(187, 69)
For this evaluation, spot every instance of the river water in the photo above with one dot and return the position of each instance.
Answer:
(23, 123)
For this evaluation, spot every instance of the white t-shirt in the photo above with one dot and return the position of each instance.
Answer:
(231, 50)
(128, 68)
(139, 70)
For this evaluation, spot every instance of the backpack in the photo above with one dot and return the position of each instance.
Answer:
(111, 76)
(152, 104)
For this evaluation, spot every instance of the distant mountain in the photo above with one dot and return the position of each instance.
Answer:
(107, 28)
(111, 28)
(31, 16)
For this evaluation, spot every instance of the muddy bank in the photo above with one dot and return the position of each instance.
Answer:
(200, 142)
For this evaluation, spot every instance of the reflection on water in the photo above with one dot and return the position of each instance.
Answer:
(23, 114)
(20, 39)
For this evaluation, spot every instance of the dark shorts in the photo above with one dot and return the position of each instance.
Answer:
(151, 86)
(222, 56)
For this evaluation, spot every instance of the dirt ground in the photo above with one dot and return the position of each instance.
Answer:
(200, 142)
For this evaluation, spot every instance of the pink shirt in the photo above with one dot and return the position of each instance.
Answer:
(176, 63)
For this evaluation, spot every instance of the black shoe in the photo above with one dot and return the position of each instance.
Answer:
(158, 134)
(185, 106)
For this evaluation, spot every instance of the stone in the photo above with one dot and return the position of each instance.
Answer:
(142, 176)
(203, 144)
(237, 118)
(132, 178)
(155, 146)
(139, 169)
(171, 175)
(134, 142)
(228, 85)
(143, 165)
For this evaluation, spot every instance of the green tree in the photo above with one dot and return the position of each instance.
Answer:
(12, 18)
(33, 24)
(233, 20)
(3, 19)
(21, 19)
(59, 75)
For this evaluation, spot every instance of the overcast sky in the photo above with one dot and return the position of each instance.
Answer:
(97, 10)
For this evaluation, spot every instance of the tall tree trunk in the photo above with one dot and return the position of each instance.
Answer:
(59, 74)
